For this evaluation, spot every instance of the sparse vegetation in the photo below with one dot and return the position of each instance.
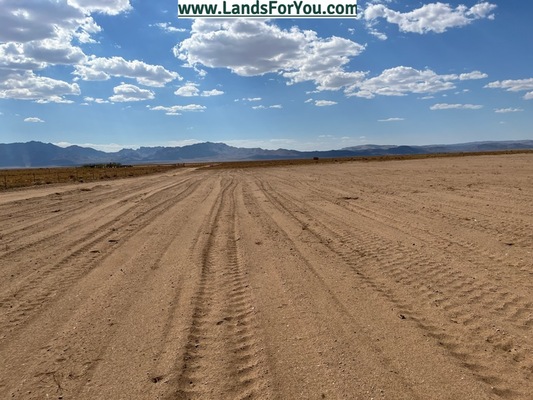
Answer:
(16, 178)
(316, 160)
(106, 165)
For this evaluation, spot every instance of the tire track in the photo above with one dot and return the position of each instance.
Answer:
(465, 239)
(70, 361)
(418, 229)
(37, 238)
(223, 356)
(36, 250)
(395, 264)
(35, 291)
(26, 217)
(339, 313)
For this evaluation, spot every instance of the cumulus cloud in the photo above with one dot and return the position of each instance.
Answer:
(251, 47)
(33, 119)
(39, 34)
(95, 100)
(177, 110)
(28, 86)
(324, 103)
(26, 20)
(213, 92)
(473, 75)
(507, 110)
(126, 92)
(191, 89)
(166, 27)
(433, 17)
(110, 7)
(188, 90)
(446, 106)
(401, 80)
(54, 99)
(514, 85)
(377, 34)
(102, 68)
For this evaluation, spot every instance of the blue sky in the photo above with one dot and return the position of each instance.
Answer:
(127, 73)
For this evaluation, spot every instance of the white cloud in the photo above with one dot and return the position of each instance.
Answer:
(166, 27)
(308, 101)
(28, 86)
(507, 110)
(188, 90)
(54, 99)
(25, 21)
(95, 100)
(252, 99)
(514, 85)
(110, 7)
(400, 81)
(126, 92)
(261, 107)
(35, 35)
(250, 47)
(33, 119)
(191, 89)
(433, 17)
(38, 34)
(324, 103)
(473, 75)
(39, 54)
(101, 68)
(393, 119)
(177, 110)
(213, 92)
(446, 106)
(377, 34)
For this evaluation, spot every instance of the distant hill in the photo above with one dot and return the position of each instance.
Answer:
(38, 154)
(471, 147)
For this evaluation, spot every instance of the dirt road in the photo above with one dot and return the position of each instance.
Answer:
(393, 280)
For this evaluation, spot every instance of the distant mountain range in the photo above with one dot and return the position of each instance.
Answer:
(38, 154)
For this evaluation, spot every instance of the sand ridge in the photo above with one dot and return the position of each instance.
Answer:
(395, 280)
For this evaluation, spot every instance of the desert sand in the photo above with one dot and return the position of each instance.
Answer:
(385, 280)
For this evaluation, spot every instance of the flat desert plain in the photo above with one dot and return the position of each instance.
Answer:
(384, 280)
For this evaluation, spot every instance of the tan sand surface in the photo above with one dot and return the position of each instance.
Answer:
(391, 280)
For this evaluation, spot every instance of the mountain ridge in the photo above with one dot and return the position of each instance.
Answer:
(39, 154)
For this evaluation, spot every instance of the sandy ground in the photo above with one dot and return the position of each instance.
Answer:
(392, 280)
